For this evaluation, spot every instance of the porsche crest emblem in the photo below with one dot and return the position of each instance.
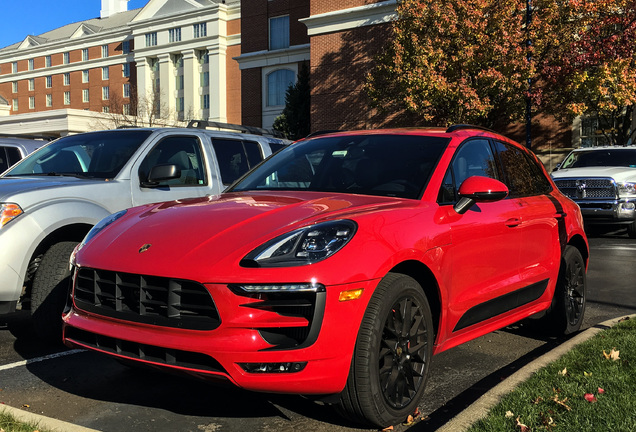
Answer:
(144, 248)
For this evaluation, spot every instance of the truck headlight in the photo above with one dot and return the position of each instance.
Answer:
(8, 212)
(626, 188)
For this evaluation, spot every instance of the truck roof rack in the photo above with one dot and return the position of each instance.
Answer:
(457, 127)
(206, 124)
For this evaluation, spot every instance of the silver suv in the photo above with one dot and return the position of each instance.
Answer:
(602, 181)
(52, 198)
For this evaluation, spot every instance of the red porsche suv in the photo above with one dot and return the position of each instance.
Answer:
(337, 267)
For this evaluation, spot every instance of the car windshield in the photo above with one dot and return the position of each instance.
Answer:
(601, 158)
(385, 165)
(99, 155)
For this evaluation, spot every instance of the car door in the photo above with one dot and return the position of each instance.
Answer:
(530, 191)
(184, 151)
(485, 244)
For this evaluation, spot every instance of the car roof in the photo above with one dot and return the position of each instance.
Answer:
(26, 144)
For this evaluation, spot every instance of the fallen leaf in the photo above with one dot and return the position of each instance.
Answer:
(600, 391)
(26, 406)
(538, 400)
(590, 397)
(509, 414)
(521, 426)
(587, 374)
(613, 355)
(564, 372)
(390, 428)
(561, 402)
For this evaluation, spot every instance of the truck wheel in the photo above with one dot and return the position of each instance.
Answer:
(568, 304)
(392, 355)
(50, 289)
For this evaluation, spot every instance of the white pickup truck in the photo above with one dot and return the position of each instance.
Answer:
(52, 198)
(602, 181)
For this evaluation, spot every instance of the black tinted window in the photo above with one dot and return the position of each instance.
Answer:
(182, 151)
(522, 175)
(387, 165)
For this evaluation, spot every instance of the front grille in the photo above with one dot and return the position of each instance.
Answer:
(146, 299)
(138, 351)
(591, 188)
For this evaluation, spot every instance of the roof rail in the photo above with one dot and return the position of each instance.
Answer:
(31, 137)
(206, 124)
(457, 127)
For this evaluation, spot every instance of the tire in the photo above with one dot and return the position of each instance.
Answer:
(631, 230)
(51, 285)
(392, 355)
(568, 304)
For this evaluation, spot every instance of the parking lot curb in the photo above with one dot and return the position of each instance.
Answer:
(40, 421)
(480, 408)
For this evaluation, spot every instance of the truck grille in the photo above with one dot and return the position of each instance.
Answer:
(591, 188)
(146, 299)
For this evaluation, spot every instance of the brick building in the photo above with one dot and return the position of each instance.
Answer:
(171, 56)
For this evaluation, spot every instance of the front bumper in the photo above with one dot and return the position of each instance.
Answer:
(621, 211)
(240, 349)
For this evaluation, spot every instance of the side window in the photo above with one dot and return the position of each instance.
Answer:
(235, 158)
(182, 151)
(473, 158)
(521, 173)
(4, 163)
(13, 155)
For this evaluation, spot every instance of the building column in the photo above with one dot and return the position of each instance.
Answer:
(143, 83)
(167, 99)
(191, 84)
(218, 81)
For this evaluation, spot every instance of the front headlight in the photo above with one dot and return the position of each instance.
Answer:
(626, 188)
(307, 245)
(100, 226)
(8, 212)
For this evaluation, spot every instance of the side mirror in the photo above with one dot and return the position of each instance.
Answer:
(556, 167)
(479, 189)
(159, 173)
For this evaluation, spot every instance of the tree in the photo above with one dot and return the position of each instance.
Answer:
(294, 121)
(469, 61)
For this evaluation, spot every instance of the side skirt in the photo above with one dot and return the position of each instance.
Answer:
(503, 304)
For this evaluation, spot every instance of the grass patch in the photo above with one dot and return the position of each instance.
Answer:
(8, 423)
(591, 388)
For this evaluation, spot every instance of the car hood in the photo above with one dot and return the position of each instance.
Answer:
(619, 174)
(12, 186)
(182, 238)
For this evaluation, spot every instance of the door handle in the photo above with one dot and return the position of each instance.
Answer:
(513, 222)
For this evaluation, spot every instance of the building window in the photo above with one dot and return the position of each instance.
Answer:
(277, 84)
(151, 39)
(180, 104)
(205, 79)
(204, 57)
(85, 95)
(126, 91)
(14, 67)
(125, 109)
(179, 82)
(15, 104)
(174, 34)
(105, 73)
(47, 61)
(205, 102)
(67, 79)
(279, 32)
(49, 100)
(84, 76)
(67, 98)
(106, 109)
(105, 93)
(31, 102)
(14, 86)
(49, 81)
(31, 67)
(125, 46)
(104, 51)
(200, 30)
(31, 84)
(126, 70)
(67, 58)
(85, 54)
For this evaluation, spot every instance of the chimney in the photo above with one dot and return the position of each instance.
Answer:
(111, 7)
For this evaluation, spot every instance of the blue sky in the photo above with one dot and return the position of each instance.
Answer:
(34, 17)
